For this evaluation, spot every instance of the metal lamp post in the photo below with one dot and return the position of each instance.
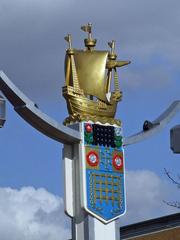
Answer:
(93, 143)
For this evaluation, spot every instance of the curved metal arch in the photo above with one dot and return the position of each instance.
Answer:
(29, 111)
(155, 126)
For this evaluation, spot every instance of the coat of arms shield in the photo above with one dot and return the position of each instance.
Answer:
(102, 164)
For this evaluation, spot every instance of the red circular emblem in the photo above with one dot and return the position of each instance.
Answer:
(117, 161)
(92, 158)
(88, 128)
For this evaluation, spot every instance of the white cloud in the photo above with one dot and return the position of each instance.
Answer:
(30, 214)
(145, 194)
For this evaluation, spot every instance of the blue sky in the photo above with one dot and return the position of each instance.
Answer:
(32, 54)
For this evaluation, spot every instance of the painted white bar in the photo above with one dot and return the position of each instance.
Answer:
(104, 231)
(68, 180)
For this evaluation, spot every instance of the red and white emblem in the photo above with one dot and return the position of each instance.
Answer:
(118, 162)
(92, 158)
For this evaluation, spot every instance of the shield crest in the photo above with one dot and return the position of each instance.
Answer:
(103, 171)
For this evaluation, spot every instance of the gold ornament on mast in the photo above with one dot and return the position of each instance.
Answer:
(88, 76)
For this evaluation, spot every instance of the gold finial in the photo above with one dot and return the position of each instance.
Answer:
(89, 42)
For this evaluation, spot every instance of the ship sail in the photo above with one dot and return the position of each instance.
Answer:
(91, 67)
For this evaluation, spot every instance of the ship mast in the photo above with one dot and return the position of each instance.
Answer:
(71, 63)
(112, 57)
(89, 42)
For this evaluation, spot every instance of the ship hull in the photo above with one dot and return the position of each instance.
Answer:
(79, 106)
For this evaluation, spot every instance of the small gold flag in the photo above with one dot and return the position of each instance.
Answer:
(110, 44)
(86, 28)
(67, 38)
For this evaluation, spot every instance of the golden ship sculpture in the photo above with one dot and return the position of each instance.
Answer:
(89, 74)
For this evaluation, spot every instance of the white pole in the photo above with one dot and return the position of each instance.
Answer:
(72, 196)
(84, 227)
